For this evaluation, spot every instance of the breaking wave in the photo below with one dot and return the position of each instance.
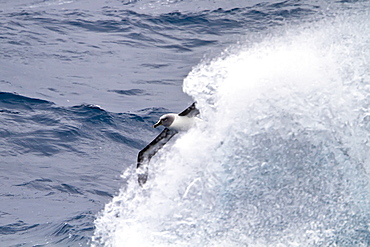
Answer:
(282, 156)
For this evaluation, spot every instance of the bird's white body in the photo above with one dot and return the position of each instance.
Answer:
(182, 123)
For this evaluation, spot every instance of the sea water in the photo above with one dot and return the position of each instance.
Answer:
(279, 159)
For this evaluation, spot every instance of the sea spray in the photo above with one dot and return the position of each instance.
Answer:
(281, 156)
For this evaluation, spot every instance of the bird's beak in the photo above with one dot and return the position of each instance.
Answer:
(157, 124)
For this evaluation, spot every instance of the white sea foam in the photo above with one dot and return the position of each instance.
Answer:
(281, 158)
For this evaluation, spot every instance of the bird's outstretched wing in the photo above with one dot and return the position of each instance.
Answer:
(149, 151)
(152, 148)
(191, 111)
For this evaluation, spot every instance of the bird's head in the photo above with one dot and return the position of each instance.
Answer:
(166, 120)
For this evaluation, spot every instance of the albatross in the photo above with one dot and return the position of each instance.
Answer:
(173, 124)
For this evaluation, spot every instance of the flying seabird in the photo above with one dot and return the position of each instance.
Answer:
(173, 123)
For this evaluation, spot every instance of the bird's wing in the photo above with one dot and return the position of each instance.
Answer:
(191, 111)
(149, 151)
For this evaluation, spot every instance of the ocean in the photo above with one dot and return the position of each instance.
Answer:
(280, 158)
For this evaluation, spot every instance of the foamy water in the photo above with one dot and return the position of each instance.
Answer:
(281, 157)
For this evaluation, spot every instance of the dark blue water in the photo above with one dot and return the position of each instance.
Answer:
(81, 84)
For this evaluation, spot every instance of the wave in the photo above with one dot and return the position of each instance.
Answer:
(281, 157)
(41, 127)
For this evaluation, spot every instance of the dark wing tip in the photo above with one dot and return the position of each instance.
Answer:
(191, 111)
(141, 168)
